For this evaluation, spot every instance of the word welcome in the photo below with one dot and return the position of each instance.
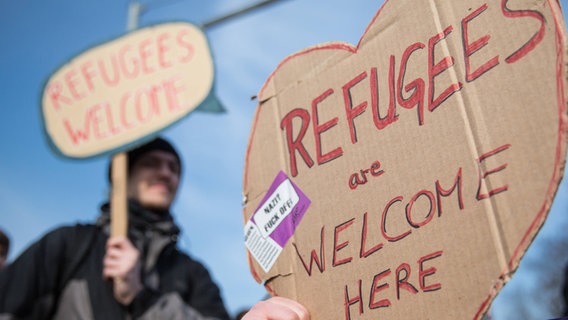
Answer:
(135, 108)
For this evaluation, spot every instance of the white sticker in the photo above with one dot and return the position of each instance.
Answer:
(263, 249)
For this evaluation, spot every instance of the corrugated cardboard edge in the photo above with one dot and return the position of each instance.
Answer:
(268, 91)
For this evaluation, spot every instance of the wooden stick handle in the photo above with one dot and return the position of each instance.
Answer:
(118, 206)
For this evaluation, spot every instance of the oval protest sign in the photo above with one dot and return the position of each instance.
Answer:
(404, 178)
(124, 90)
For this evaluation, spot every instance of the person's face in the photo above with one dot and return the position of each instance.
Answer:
(154, 180)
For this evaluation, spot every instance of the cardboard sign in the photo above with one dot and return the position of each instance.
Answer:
(431, 153)
(126, 89)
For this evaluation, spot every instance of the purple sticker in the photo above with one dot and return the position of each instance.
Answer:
(281, 210)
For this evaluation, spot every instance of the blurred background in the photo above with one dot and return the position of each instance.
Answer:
(39, 190)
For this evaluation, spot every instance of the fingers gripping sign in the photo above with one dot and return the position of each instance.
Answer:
(277, 308)
(122, 265)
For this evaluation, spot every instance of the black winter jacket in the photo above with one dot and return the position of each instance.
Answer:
(60, 276)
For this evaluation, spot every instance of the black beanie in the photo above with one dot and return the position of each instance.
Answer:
(134, 155)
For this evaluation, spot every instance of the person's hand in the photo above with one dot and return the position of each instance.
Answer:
(122, 265)
(277, 308)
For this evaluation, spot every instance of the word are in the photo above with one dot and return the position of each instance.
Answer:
(359, 178)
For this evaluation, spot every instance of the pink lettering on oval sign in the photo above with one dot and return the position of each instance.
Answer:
(119, 92)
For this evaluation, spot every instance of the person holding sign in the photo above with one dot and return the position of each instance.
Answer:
(79, 272)
(277, 308)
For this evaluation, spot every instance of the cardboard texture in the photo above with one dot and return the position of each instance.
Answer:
(431, 153)
(111, 96)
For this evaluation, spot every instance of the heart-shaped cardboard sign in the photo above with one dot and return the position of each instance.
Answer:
(404, 178)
